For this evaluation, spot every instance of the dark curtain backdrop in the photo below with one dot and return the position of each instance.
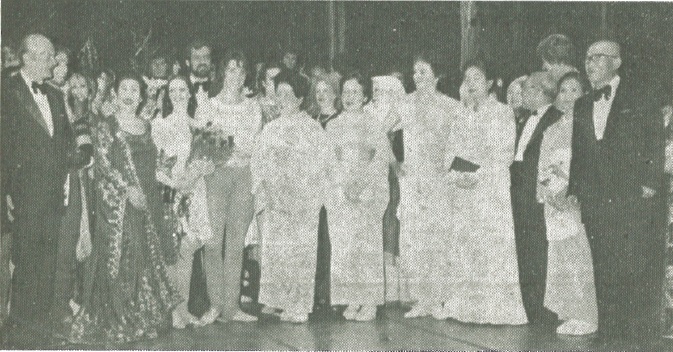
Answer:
(378, 34)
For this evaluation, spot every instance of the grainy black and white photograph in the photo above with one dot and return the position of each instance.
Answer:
(336, 175)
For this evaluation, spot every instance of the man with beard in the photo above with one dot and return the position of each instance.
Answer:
(200, 66)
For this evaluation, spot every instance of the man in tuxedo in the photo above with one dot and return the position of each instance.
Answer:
(38, 147)
(617, 175)
(200, 65)
(538, 94)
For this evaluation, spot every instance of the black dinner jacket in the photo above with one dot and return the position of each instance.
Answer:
(630, 155)
(34, 164)
(524, 173)
(191, 105)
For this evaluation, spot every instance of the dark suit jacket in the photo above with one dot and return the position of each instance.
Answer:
(630, 155)
(191, 105)
(524, 173)
(34, 164)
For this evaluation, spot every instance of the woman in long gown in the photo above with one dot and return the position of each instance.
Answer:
(570, 290)
(424, 210)
(484, 274)
(386, 90)
(230, 201)
(289, 172)
(358, 197)
(127, 294)
(322, 106)
(184, 192)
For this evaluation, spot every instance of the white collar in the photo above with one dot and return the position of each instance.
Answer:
(195, 79)
(29, 82)
(614, 83)
(543, 110)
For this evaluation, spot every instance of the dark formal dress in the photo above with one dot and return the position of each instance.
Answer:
(529, 223)
(37, 153)
(612, 160)
(127, 295)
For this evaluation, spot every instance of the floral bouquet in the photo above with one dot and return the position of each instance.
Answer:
(211, 144)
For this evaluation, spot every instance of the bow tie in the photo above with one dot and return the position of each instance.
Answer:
(605, 92)
(205, 85)
(38, 87)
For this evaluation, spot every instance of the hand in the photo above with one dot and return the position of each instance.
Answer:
(83, 247)
(109, 107)
(561, 202)
(137, 198)
(467, 180)
(400, 169)
(648, 192)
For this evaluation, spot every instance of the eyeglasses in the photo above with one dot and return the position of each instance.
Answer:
(596, 57)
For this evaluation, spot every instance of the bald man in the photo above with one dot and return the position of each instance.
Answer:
(37, 145)
(617, 175)
(530, 231)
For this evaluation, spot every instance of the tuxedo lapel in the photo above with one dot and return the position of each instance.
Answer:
(552, 115)
(24, 95)
(616, 112)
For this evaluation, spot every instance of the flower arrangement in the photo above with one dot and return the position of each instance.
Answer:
(211, 144)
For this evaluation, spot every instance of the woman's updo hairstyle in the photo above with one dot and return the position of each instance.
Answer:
(489, 72)
(294, 80)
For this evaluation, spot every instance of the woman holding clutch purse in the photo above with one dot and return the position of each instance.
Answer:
(484, 275)
(424, 210)
(570, 290)
(184, 191)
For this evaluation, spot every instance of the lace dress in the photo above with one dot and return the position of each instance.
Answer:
(360, 153)
(424, 209)
(570, 290)
(288, 170)
(483, 280)
(127, 295)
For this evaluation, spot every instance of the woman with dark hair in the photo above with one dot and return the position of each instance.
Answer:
(357, 198)
(230, 200)
(557, 54)
(127, 295)
(483, 277)
(289, 176)
(424, 213)
(570, 290)
(187, 225)
(267, 91)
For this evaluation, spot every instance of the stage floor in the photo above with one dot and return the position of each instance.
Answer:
(390, 331)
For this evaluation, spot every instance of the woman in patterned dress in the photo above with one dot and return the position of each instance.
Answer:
(484, 282)
(127, 295)
(358, 197)
(186, 212)
(570, 290)
(424, 211)
(289, 169)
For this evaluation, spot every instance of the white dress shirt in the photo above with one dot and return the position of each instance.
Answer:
(528, 130)
(42, 103)
(602, 109)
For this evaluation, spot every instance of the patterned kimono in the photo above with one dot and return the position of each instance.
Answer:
(570, 290)
(424, 209)
(127, 295)
(483, 280)
(288, 170)
(358, 197)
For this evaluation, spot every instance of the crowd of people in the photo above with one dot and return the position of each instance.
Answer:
(547, 207)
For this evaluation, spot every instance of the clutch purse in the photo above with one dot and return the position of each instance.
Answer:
(462, 165)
